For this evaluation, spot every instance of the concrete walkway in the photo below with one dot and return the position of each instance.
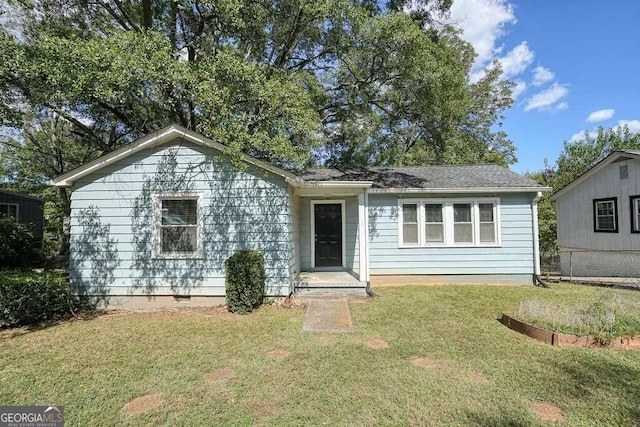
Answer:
(327, 315)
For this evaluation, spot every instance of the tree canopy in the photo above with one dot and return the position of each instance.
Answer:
(289, 81)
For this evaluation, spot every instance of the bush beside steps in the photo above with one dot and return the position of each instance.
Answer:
(244, 281)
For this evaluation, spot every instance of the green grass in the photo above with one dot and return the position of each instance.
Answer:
(94, 367)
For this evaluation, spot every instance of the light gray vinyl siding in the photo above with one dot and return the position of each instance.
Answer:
(111, 224)
(351, 231)
(514, 256)
(575, 210)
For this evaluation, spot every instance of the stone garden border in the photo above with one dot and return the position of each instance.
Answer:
(565, 340)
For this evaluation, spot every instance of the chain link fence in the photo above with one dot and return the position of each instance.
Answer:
(606, 268)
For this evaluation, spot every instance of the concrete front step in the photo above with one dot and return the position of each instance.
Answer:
(303, 296)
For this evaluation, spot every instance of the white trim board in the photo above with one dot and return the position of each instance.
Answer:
(312, 242)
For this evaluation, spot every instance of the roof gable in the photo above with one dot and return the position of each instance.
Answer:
(611, 158)
(151, 140)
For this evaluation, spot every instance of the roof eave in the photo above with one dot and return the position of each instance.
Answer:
(462, 190)
(591, 171)
(332, 184)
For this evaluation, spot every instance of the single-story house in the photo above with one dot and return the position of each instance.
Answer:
(26, 210)
(599, 219)
(156, 219)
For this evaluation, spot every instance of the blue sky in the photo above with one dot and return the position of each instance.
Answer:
(576, 64)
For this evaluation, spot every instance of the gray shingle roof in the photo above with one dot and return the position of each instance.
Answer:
(447, 176)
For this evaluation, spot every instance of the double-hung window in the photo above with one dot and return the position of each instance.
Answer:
(449, 222)
(635, 214)
(605, 215)
(9, 210)
(177, 225)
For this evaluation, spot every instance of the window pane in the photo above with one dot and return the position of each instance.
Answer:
(10, 211)
(605, 208)
(179, 239)
(180, 212)
(463, 233)
(486, 212)
(462, 212)
(487, 232)
(605, 216)
(410, 233)
(605, 223)
(433, 212)
(435, 233)
(410, 214)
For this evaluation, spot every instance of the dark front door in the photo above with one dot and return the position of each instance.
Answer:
(328, 234)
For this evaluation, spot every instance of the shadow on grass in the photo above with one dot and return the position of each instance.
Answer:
(605, 373)
(505, 418)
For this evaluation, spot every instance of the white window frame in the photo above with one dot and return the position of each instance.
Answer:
(635, 210)
(447, 206)
(12, 204)
(157, 199)
(614, 204)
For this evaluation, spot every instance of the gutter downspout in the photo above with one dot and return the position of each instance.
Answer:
(536, 243)
(366, 246)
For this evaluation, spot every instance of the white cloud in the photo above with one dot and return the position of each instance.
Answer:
(551, 98)
(580, 135)
(482, 23)
(517, 60)
(601, 115)
(517, 90)
(542, 75)
(633, 125)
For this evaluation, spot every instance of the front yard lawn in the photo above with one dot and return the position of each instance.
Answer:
(419, 355)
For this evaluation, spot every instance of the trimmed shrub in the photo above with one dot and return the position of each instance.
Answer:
(27, 297)
(244, 281)
(16, 244)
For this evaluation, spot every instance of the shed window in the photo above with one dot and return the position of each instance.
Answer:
(605, 214)
(635, 214)
(178, 226)
(9, 210)
(449, 222)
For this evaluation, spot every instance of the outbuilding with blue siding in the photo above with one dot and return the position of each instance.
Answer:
(153, 222)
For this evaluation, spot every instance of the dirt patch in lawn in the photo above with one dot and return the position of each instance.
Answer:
(377, 344)
(478, 377)
(278, 353)
(264, 408)
(220, 374)
(547, 411)
(425, 362)
(142, 404)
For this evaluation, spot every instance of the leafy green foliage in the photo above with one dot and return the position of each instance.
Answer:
(244, 281)
(16, 244)
(27, 298)
(291, 82)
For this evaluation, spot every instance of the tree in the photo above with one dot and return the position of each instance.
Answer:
(575, 159)
(291, 82)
